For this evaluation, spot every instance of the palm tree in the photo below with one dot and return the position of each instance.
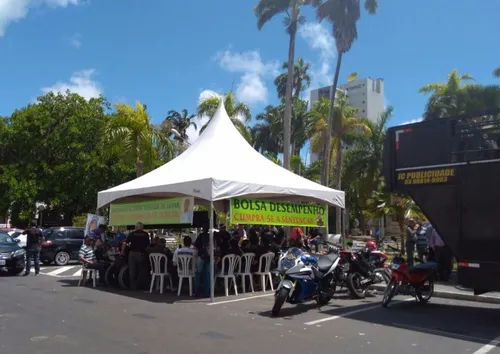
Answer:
(444, 95)
(130, 134)
(345, 123)
(180, 122)
(363, 166)
(301, 79)
(343, 15)
(267, 133)
(265, 11)
(299, 122)
(496, 72)
(453, 98)
(234, 109)
(399, 206)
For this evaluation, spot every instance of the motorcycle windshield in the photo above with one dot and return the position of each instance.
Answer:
(290, 258)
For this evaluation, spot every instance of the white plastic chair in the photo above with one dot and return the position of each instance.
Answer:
(246, 258)
(265, 262)
(156, 260)
(231, 261)
(92, 273)
(186, 267)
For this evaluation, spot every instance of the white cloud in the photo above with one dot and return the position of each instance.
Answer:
(319, 38)
(15, 10)
(251, 87)
(412, 121)
(76, 40)
(81, 82)
(192, 133)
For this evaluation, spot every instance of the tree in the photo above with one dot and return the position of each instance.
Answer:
(496, 72)
(267, 133)
(54, 155)
(265, 11)
(343, 15)
(180, 122)
(362, 173)
(234, 109)
(301, 79)
(131, 134)
(453, 97)
(399, 206)
(345, 123)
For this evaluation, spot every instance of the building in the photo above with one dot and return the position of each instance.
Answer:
(367, 95)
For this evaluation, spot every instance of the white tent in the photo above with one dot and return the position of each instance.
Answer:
(220, 165)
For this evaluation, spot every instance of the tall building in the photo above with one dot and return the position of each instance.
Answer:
(367, 95)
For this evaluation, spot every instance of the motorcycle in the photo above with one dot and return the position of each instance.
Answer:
(362, 269)
(304, 278)
(416, 281)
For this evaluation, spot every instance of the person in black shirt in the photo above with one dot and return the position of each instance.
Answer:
(138, 242)
(34, 239)
(281, 237)
(202, 263)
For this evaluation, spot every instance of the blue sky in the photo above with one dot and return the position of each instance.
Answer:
(168, 53)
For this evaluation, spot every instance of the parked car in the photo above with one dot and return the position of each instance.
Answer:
(61, 244)
(11, 255)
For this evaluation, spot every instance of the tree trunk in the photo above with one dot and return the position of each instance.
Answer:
(402, 232)
(327, 137)
(140, 164)
(287, 123)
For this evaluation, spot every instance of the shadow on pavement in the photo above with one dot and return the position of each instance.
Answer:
(291, 310)
(167, 297)
(478, 324)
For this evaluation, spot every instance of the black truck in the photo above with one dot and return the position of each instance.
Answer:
(451, 169)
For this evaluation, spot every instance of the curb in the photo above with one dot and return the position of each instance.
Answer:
(443, 294)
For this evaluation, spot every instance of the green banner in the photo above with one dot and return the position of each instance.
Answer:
(154, 212)
(266, 212)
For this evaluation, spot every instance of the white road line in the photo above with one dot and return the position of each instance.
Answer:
(240, 299)
(488, 347)
(78, 273)
(60, 270)
(349, 313)
(436, 332)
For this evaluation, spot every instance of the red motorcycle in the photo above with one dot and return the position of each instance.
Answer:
(416, 281)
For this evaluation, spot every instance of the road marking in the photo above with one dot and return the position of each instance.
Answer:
(241, 299)
(349, 313)
(60, 270)
(488, 347)
(483, 350)
(78, 273)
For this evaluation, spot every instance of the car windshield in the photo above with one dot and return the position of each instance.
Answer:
(15, 234)
(5, 238)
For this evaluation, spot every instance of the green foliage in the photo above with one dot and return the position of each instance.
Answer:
(80, 220)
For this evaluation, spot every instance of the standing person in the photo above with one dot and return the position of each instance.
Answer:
(138, 241)
(202, 263)
(421, 243)
(281, 237)
(443, 256)
(428, 234)
(411, 231)
(34, 239)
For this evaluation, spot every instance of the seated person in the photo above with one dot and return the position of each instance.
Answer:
(89, 260)
(185, 249)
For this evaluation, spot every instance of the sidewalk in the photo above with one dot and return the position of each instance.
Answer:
(450, 290)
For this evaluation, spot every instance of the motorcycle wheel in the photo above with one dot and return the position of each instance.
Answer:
(325, 297)
(390, 292)
(422, 297)
(354, 285)
(279, 300)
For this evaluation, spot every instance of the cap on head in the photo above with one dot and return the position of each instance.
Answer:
(139, 226)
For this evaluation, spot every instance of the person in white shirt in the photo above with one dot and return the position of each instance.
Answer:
(186, 249)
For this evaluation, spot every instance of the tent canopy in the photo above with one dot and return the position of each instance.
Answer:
(221, 165)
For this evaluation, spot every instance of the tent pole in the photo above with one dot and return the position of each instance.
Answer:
(212, 261)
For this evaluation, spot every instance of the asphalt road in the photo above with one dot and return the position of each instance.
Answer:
(46, 314)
